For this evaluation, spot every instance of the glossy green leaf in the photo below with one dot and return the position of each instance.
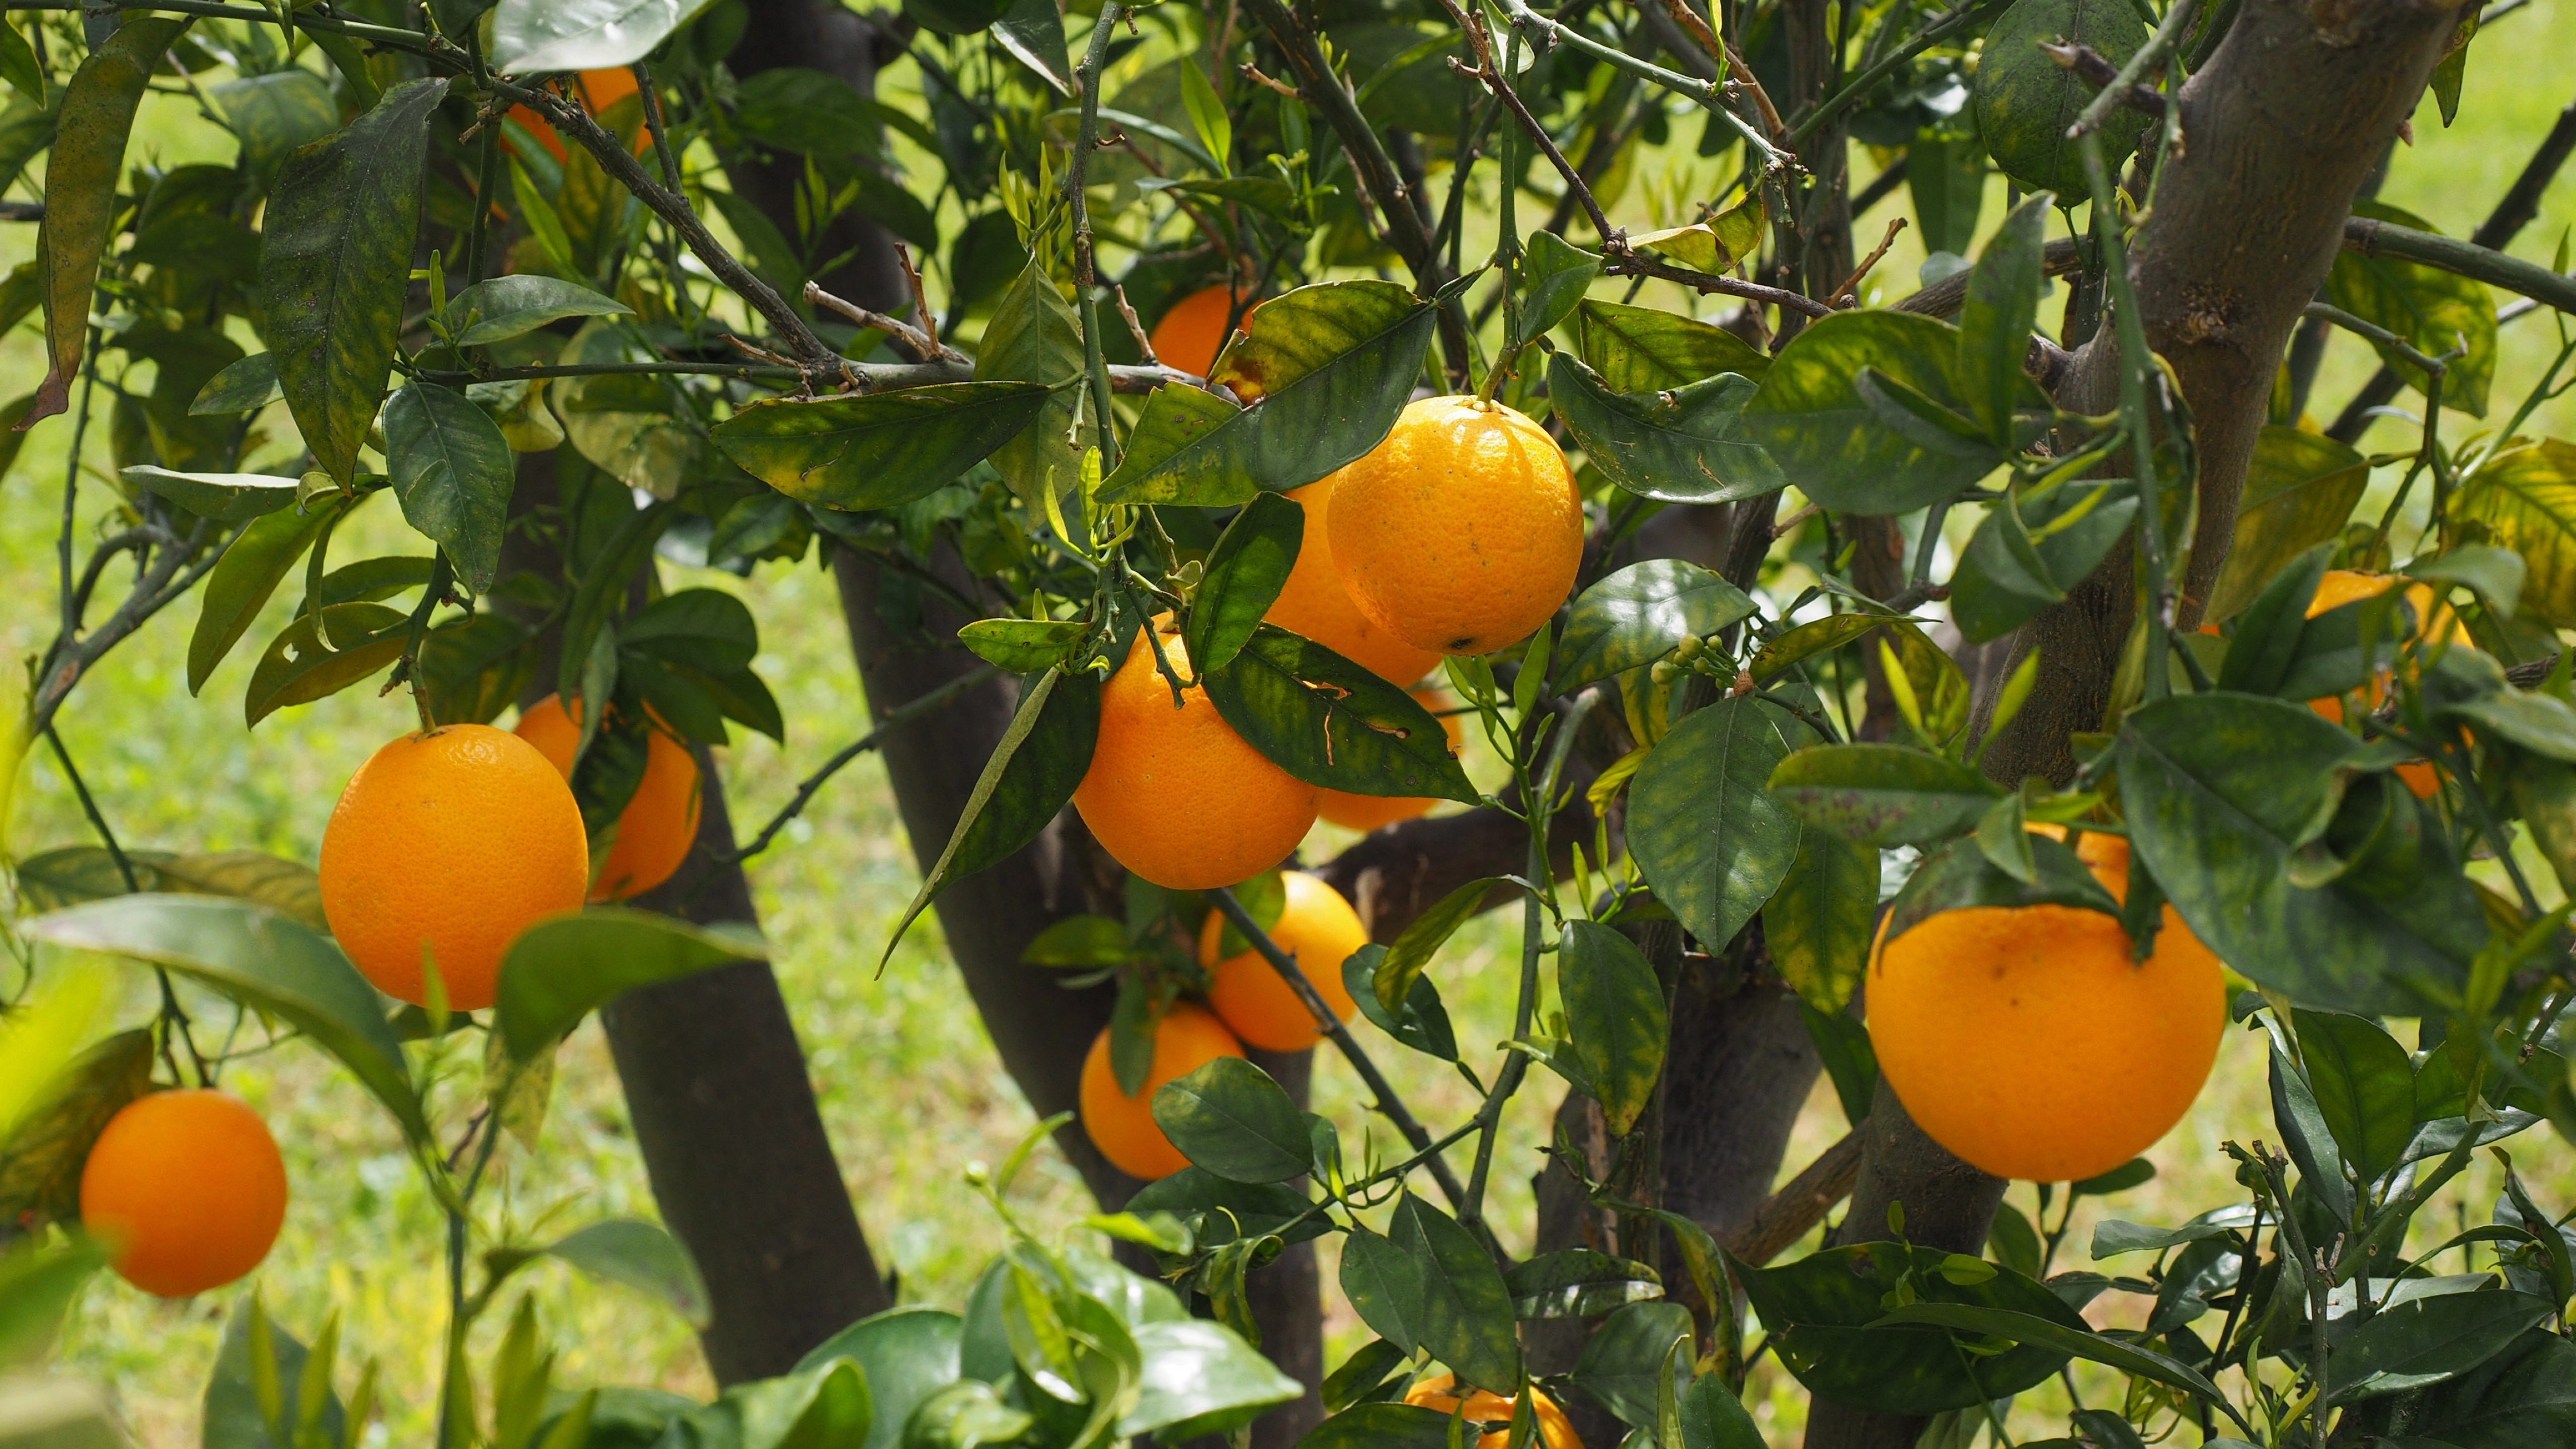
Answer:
(303, 663)
(500, 308)
(1714, 1418)
(1622, 1364)
(1174, 422)
(1555, 274)
(2525, 498)
(1995, 321)
(1219, 1211)
(222, 497)
(2049, 1334)
(39, 1282)
(1034, 337)
(239, 387)
(1332, 723)
(41, 1159)
(1200, 1378)
(454, 473)
(906, 1353)
(2364, 1084)
(1033, 32)
(1963, 876)
(1817, 636)
(2434, 311)
(955, 17)
(1423, 1024)
(2025, 101)
(1231, 1119)
(1646, 349)
(276, 113)
(1327, 368)
(1638, 615)
(2426, 1340)
(1712, 839)
(2523, 1396)
(641, 1256)
(88, 157)
(561, 969)
(234, 1415)
(1023, 646)
(1466, 1311)
(2032, 548)
(534, 36)
(875, 450)
(2219, 790)
(1839, 450)
(2300, 489)
(56, 878)
(260, 958)
(1579, 1283)
(1829, 1320)
(334, 266)
(1245, 572)
(1945, 176)
(1615, 1019)
(1686, 445)
(1404, 961)
(1817, 925)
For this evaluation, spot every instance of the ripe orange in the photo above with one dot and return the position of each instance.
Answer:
(1123, 1127)
(449, 843)
(1192, 331)
(1555, 1431)
(2433, 620)
(1374, 812)
(1175, 795)
(1462, 531)
(1318, 928)
(2028, 1043)
(1314, 605)
(659, 824)
(187, 1189)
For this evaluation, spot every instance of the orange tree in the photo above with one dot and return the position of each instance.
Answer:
(2040, 677)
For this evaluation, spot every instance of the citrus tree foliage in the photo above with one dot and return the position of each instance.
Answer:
(462, 236)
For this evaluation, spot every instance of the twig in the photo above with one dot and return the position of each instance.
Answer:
(1252, 73)
(921, 342)
(870, 376)
(920, 300)
(653, 125)
(1086, 280)
(1623, 260)
(1135, 324)
(1708, 93)
(1800, 1204)
(1847, 293)
(812, 784)
(2087, 62)
(1488, 72)
(2122, 87)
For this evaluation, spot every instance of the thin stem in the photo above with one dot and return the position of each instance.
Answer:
(2136, 362)
(812, 784)
(1709, 94)
(2149, 57)
(172, 1013)
(1085, 278)
(653, 126)
(1827, 110)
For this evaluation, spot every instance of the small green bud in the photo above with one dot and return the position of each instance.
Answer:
(1691, 647)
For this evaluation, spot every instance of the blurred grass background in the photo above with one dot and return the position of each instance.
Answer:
(909, 1085)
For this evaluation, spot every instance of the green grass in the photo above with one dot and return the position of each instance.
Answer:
(910, 1088)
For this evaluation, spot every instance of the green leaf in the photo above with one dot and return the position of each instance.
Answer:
(534, 36)
(1466, 1311)
(1230, 1118)
(89, 135)
(1023, 646)
(1403, 963)
(334, 266)
(1828, 1319)
(2526, 500)
(1219, 1211)
(2300, 489)
(250, 382)
(1026, 782)
(2426, 1340)
(1033, 32)
(298, 668)
(1714, 1418)
(1686, 445)
(2523, 1396)
(1245, 572)
(1995, 321)
(1555, 273)
(1645, 349)
(1332, 723)
(2033, 547)
(1818, 636)
(259, 958)
(454, 473)
(222, 497)
(1382, 1426)
(2434, 311)
(954, 17)
(1579, 1283)
(1174, 420)
(2364, 1084)
(1207, 114)
(1423, 1024)
(2025, 101)
(641, 1256)
(1615, 1017)
(1328, 368)
(41, 1161)
(1034, 337)
(1813, 419)
(234, 1415)
(1712, 839)
(1201, 1379)
(2219, 790)
(2050, 1336)
(1946, 178)
(876, 450)
(561, 969)
(38, 1284)
(1637, 615)
(1622, 1364)
(1961, 876)
(275, 114)
(907, 1354)
(500, 308)
(1817, 925)
(19, 67)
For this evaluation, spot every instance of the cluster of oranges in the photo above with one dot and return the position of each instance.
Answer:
(444, 847)
(1458, 534)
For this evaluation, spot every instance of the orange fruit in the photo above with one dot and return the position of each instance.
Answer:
(448, 844)
(1462, 531)
(1320, 930)
(1175, 795)
(2434, 620)
(1374, 812)
(2026, 1041)
(1123, 1127)
(1555, 1431)
(600, 89)
(1192, 331)
(659, 824)
(1314, 605)
(187, 1190)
